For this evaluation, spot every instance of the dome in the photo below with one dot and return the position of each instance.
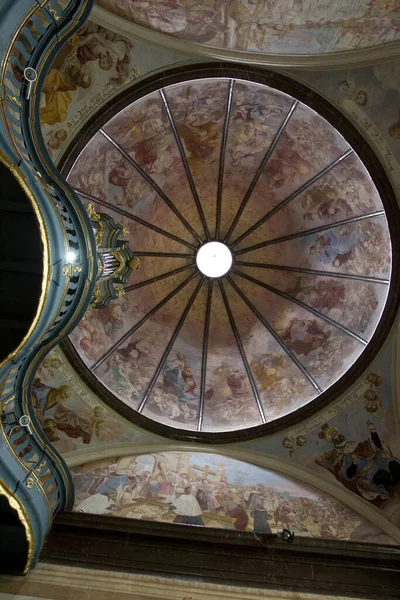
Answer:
(223, 168)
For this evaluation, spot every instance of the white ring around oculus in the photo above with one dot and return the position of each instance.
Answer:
(214, 259)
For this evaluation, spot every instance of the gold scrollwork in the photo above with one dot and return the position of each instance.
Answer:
(17, 505)
(53, 12)
(92, 214)
(30, 483)
(124, 228)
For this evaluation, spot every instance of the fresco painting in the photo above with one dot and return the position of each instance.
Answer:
(199, 113)
(355, 440)
(321, 348)
(257, 112)
(175, 396)
(283, 27)
(275, 374)
(94, 334)
(356, 248)
(353, 303)
(104, 173)
(306, 146)
(344, 192)
(69, 421)
(94, 65)
(370, 97)
(129, 370)
(144, 131)
(211, 490)
(228, 394)
(94, 61)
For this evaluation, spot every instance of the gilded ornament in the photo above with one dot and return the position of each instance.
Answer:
(91, 212)
(30, 483)
(134, 263)
(53, 12)
(124, 228)
(15, 100)
(120, 291)
(69, 270)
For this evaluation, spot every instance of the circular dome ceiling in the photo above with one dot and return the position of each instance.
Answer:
(229, 336)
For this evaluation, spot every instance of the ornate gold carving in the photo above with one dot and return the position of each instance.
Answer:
(134, 263)
(17, 505)
(40, 467)
(10, 399)
(96, 293)
(125, 229)
(120, 291)
(53, 12)
(30, 483)
(91, 211)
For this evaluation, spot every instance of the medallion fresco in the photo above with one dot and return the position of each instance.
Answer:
(211, 490)
(284, 27)
(247, 164)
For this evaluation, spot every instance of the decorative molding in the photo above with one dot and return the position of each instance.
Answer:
(333, 60)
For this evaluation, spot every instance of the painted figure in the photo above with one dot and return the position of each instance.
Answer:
(366, 468)
(178, 379)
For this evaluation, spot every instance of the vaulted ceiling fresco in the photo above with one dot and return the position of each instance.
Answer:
(283, 27)
(241, 162)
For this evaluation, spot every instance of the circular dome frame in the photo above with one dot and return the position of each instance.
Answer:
(377, 173)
